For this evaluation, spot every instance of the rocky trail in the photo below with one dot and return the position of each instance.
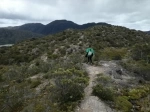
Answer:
(92, 103)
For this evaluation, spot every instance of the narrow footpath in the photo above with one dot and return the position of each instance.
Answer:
(92, 103)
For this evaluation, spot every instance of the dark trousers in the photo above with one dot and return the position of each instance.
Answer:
(90, 58)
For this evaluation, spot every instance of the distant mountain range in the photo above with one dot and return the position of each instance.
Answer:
(54, 27)
(148, 32)
(11, 35)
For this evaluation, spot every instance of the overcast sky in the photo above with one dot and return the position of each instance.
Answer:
(134, 14)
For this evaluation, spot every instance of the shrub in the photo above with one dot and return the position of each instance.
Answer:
(68, 88)
(53, 56)
(33, 70)
(137, 93)
(62, 51)
(17, 107)
(123, 104)
(39, 108)
(1, 79)
(35, 83)
(103, 79)
(103, 93)
(3, 69)
(46, 76)
(113, 53)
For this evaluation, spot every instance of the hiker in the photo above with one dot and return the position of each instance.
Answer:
(89, 54)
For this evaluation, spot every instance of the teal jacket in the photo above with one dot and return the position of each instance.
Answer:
(88, 49)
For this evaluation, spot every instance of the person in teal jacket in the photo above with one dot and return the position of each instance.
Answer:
(89, 54)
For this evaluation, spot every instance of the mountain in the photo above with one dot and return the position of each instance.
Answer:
(50, 74)
(12, 36)
(148, 32)
(58, 26)
(33, 27)
(30, 30)
(55, 26)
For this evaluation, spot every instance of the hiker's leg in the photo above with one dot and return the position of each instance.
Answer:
(88, 58)
(91, 58)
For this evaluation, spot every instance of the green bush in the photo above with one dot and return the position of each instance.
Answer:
(141, 68)
(1, 79)
(39, 108)
(103, 93)
(123, 104)
(113, 53)
(33, 70)
(137, 93)
(103, 79)
(35, 83)
(53, 56)
(46, 76)
(69, 87)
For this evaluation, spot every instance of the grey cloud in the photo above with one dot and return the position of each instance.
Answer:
(4, 15)
(129, 13)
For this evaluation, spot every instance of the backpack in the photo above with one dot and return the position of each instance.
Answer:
(90, 53)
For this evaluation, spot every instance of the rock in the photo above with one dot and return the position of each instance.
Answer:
(44, 57)
(119, 71)
(5, 86)
(56, 51)
(69, 51)
(35, 51)
(72, 49)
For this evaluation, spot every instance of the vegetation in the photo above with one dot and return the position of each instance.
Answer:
(103, 93)
(46, 74)
(122, 103)
(126, 99)
(11, 36)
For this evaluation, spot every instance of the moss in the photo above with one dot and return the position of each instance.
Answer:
(123, 104)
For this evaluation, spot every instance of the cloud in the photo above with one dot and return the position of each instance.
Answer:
(132, 14)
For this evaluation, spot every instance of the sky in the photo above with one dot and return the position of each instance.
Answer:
(133, 14)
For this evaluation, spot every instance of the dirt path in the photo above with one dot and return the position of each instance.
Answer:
(92, 103)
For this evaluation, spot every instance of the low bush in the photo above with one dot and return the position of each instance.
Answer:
(35, 83)
(137, 93)
(123, 104)
(69, 88)
(103, 93)
(113, 53)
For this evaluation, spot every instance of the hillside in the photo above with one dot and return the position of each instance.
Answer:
(11, 36)
(48, 74)
(33, 27)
